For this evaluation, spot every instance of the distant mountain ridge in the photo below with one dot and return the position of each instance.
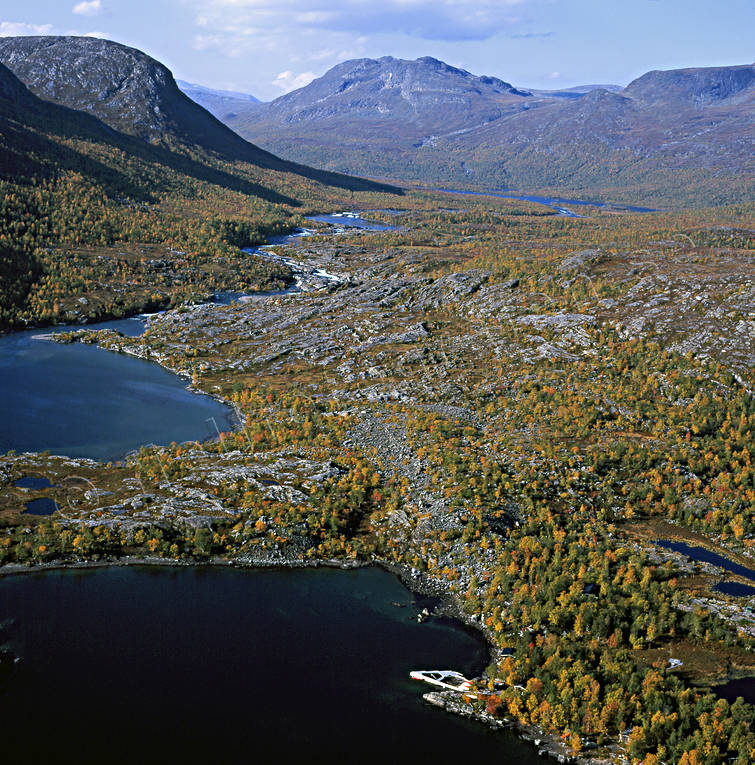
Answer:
(388, 90)
(410, 88)
(670, 136)
(192, 87)
(682, 134)
(223, 104)
(576, 92)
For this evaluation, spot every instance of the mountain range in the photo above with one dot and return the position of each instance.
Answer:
(670, 136)
(137, 96)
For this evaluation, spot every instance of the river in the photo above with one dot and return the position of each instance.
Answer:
(557, 204)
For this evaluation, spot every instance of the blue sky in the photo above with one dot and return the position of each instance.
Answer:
(267, 47)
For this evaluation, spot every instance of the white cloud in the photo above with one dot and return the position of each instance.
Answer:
(313, 35)
(88, 8)
(530, 35)
(554, 75)
(427, 19)
(288, 81)
(17, 29)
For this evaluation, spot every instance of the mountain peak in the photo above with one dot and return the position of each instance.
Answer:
(124, 88)
(441, 66)
(425, 91)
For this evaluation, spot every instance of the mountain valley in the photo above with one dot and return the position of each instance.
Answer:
(532, 413)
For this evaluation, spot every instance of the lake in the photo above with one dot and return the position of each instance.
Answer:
(137, 664)
(81, 401)
(699, 553)
(744, 687)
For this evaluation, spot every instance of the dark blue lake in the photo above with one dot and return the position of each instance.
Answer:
(736, 589)
(41, 506)
(134, 665)
(744, 687)
(33, 482)
(702, 554)
(81, 401)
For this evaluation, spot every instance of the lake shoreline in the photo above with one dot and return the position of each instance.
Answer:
(447, 606)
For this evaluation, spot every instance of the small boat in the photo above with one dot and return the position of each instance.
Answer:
(443, 678)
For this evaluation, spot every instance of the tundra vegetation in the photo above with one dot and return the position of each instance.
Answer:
(496, 400)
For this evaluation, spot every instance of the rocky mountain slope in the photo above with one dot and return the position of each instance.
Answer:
(364, 110)
(27, 124)
(12, 90)
(121, 86)
(694, 87)
(135, 95)
(683, 135)
(390, 89)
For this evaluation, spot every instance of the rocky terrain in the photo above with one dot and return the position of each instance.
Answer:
(374, 402)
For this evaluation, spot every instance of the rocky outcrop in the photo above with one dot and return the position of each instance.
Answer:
(698, 87)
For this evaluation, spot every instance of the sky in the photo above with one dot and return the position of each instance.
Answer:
(269, 47)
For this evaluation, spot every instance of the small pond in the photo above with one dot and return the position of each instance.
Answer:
(33, 482)
(704, 555)
(41, 506)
